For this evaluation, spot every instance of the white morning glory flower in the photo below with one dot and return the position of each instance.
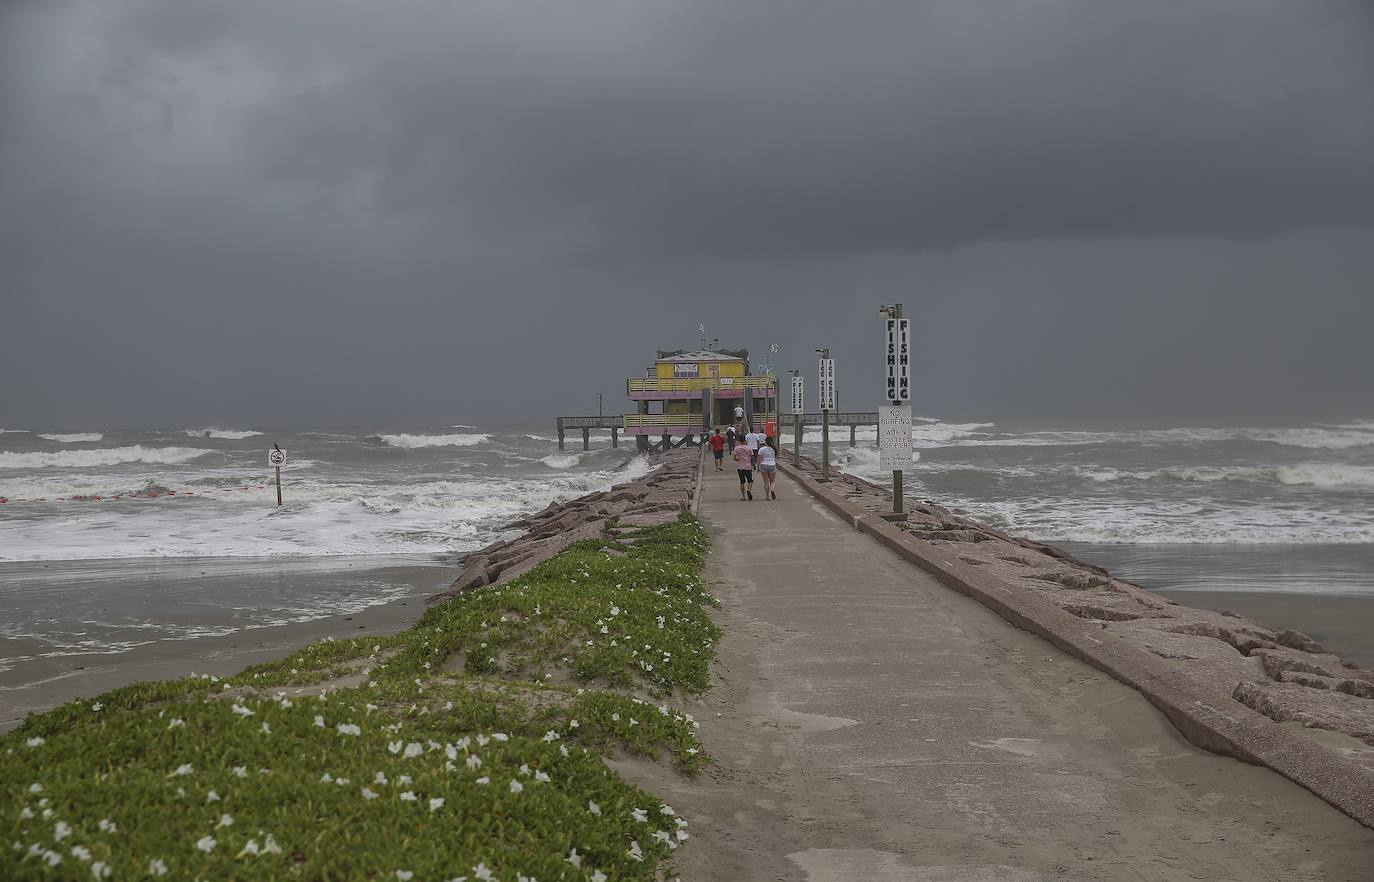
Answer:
(436, 803)
(206, 844)
(156, 867)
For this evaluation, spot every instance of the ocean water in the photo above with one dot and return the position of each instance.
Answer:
(210, 492)
(1204, 508)
(110, 538)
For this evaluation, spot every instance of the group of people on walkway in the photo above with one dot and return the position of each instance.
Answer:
(750, 450)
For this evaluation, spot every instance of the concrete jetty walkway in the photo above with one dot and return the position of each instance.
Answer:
(871, 724)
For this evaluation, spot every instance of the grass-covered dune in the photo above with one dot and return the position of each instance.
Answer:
(470, 747)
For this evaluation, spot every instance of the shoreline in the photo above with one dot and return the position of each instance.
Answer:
(30, 688)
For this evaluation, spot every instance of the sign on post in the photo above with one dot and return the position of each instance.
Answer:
(894, 437)
(827, 384)
(798, 399)
(899, 360)
(276, 458)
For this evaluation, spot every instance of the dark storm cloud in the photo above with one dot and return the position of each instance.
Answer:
(370, 200)
(746, 128)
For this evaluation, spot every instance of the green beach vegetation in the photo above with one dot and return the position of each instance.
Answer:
(470, 747)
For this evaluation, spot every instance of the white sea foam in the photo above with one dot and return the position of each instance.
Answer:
(931, 434)
(319, 518)
(101, 457)
(1310, 438)
(561, 460)
(411, 442)
(224, 434)
(1316, 474)
(73, 437)
(14, 431)
(540, 437)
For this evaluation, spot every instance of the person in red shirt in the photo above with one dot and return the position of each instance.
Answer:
(718, 450)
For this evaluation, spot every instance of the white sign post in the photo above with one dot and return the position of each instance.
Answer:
(827, 395)
(827, 384)
(798, 406)
(894, 437)
(899, 360)
(894, 420)
(276, 457)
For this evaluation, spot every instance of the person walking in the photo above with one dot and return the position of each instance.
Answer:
(730, 438)
(753, 439)
(768, 466)
(744, 464)
(718, 450)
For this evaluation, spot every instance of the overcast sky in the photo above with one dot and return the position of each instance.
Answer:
(344, 212)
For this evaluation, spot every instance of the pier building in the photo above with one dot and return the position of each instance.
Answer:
(687, 393)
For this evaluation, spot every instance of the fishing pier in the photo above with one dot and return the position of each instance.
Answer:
(689, 393)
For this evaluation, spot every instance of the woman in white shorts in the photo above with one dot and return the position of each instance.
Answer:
(768, 467)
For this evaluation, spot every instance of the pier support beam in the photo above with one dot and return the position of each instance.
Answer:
(851, 435)
(642, 443)
(586, 439)
(615, 437)
(560, 437)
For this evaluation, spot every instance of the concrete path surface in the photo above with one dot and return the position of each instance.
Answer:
(870, 724)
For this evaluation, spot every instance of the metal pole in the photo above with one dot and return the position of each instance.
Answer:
(825, 445)
(796, 439)
(279, 486)
(598, 405)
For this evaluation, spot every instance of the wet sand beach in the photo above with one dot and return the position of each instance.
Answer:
(38, 673)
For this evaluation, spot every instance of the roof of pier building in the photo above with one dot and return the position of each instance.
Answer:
(676, 356)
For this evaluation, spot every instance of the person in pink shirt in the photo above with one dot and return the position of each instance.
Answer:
(744, 463)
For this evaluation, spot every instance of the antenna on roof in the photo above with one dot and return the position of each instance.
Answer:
(701, 329)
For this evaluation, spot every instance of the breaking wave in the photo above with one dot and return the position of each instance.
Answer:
(412, 442)
(223, 434)
(1348, 438)
(1325, 475)
(73, 437)
(64, 459)
(561, 460)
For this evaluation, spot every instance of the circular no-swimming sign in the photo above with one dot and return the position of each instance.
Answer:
(276, 456)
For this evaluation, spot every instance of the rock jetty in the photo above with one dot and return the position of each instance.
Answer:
(1283, 674)
(657, 498)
